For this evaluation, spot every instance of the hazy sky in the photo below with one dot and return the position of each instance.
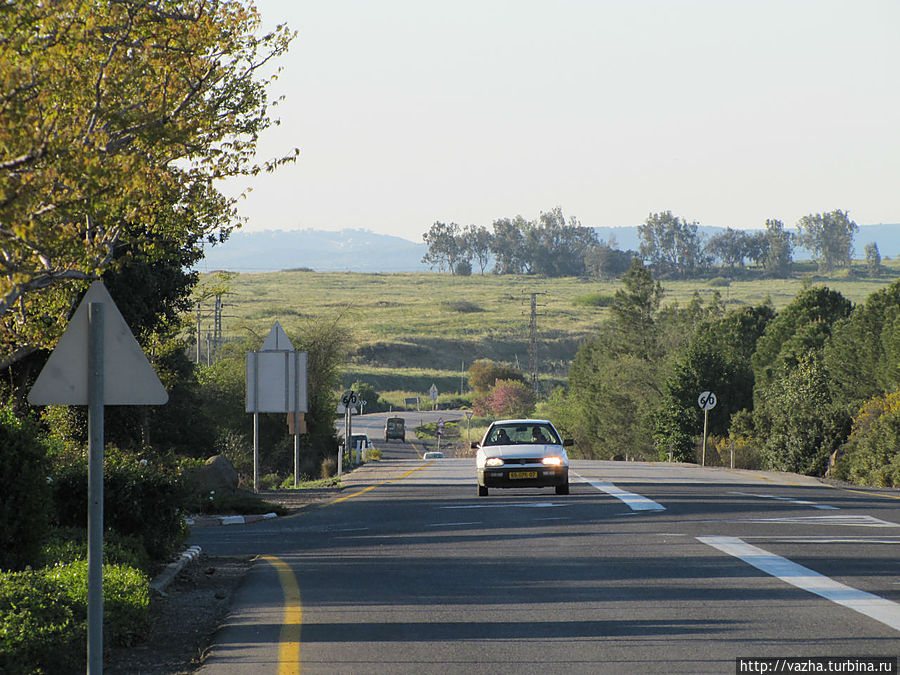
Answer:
(725, 112)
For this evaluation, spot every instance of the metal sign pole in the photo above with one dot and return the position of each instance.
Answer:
(256, 452)
(95, 490)
(297, 449)
(705, 419)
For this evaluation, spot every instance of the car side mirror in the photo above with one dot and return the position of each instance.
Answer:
(568, 441)
(475, 445)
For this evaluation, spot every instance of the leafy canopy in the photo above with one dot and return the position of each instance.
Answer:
(116, 119)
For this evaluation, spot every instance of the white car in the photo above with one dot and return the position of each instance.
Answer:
(522, 453)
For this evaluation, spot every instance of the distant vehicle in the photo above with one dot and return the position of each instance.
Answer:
(355, 439)
(394, 427)
(433, 454)
(522, 453)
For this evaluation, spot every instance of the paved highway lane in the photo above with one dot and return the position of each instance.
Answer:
(373, 426)
(411, 572)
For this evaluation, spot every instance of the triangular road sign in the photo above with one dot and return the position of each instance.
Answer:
(277, 340)
(128, 377)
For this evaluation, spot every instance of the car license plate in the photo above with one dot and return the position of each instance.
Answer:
(522, 474)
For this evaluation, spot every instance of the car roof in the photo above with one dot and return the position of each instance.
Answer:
(522, 421)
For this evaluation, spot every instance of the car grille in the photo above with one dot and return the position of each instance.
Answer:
(521, 460)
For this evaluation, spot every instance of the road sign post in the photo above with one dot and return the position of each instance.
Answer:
(95, 488)
(276, 382)
(707, 401)
(97, 362)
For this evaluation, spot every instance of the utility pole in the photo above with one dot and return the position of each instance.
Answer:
(532, 344)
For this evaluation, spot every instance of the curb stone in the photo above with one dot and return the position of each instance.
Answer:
(206, 521)
(164, 578)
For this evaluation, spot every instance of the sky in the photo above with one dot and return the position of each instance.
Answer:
(725, 112)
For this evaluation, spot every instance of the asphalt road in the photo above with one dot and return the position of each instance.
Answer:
(643, 568)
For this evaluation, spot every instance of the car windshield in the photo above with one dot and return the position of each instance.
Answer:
(521, 434)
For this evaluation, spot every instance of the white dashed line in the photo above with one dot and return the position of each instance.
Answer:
(868, 604)
(634, 501)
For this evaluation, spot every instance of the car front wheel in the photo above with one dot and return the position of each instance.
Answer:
(562, 489)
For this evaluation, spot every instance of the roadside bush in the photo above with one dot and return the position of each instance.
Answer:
(41, 629)
(69, 544)
(24, 512)
(746, 454)
(507, 398)
(126, 598)
(142, 499)
(484, 373)
(871, 454)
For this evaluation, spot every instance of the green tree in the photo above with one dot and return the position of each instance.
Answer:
(508, 245)
(873, 259)
(445, 246)
(506, 399)
(634, 311)
(864, 349)
(803, 326)
(606, 262)
(117, 119)
(730, 246)
(555, 247)
(830, 237)
(670, 244)
(872, 452)
(478, 242)
(777, 250)
(718, 360)
(803, 428)
(484, 373)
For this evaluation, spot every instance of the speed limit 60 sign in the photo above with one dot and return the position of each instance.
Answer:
(707, 400)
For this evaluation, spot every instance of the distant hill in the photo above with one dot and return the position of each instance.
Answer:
(321, 250)
(366, 251)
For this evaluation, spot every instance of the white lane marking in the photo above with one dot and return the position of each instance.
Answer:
(634, 501)
(831, 540)
(822, 507)
(868, 604)
(474, 522)
(848, 520)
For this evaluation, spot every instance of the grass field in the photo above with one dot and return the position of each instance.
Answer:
(412, 329)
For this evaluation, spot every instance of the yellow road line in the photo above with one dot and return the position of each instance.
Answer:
(289, 641)
(861, 492)
(386, 482)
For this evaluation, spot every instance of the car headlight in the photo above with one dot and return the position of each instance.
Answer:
(552, 461)
(493, 461)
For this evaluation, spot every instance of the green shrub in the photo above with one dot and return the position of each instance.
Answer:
(871, 453)
(42, 630)
(126, 598)
(593, 300)
(24, 510)
(69, 544)
(719, 282)
(142, 499)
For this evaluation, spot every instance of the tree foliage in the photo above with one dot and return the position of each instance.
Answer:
(445, 246)
(671, 245)
(872, 453)
(484, 373)
(830, 237)
(506, 399)
(116, 119)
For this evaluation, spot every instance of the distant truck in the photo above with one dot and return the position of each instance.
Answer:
(394, 427)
